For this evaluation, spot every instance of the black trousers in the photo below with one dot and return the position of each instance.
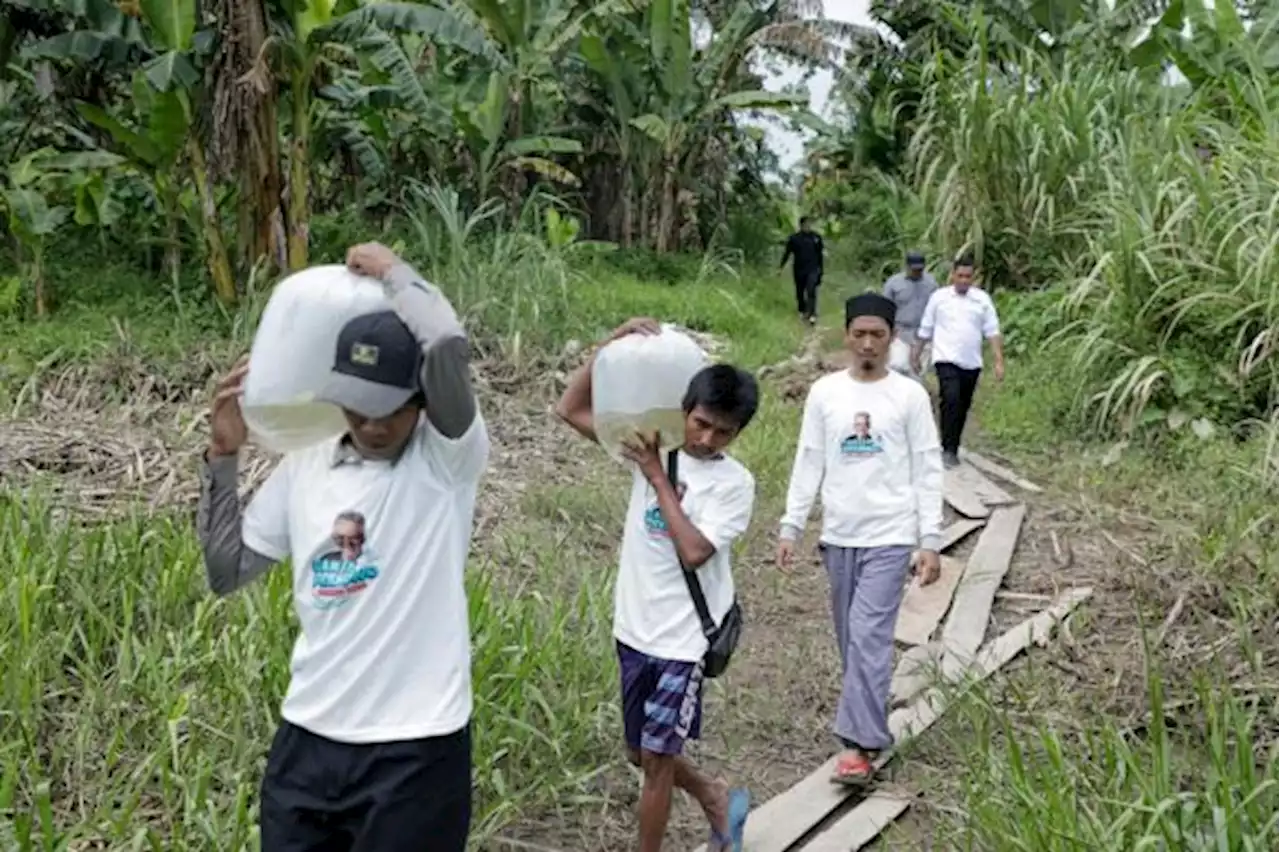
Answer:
(324, 796)
(807, 291)
(955, 391)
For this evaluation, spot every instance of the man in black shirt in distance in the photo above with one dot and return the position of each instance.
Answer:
(806, 246)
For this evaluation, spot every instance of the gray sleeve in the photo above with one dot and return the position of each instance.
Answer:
(446, 362)
(228, 564)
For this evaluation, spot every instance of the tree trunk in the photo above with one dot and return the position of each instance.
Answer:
(224, 284)
(299, 169)
(666, 207)
(37, 276)
(245, 142)
(628, 188)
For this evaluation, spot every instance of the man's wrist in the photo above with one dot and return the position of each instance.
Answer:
(789, 532)
(655, 473)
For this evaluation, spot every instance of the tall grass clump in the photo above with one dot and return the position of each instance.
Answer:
(136, 708)
(1148, 208)
(1155, 784)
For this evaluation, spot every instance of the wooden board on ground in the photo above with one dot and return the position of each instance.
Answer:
(966, 624)
(999, 471)
(988, 492)
(861, 825)
(923, 606)
(779, 823)
(915, 719)
(958, 531)
(916, 670)
(956, 491)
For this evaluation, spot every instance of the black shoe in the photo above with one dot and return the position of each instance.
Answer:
(950, 460)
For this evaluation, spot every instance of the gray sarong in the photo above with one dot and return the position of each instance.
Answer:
(866, 590)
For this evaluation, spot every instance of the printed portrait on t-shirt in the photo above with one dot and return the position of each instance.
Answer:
(862, 441)
(345, 566)
(656, 525)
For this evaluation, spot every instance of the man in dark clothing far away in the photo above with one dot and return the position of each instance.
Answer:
(806, 246)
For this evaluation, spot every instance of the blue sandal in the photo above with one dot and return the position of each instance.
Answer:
(739, 804)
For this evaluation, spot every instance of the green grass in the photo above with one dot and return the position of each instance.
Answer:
(1178, 750)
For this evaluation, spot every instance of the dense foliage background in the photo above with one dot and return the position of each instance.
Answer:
(1119, 163)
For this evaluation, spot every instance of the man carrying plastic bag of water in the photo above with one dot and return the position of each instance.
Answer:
(374, 748)
(644, 395)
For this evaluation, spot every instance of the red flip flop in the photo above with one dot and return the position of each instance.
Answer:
(853, 769)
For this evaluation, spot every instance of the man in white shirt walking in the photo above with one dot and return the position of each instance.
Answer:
(868, 440)
(673, 528)
(374, 748)
(957, 319)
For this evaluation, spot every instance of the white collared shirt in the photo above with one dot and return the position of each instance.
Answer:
(957, 325)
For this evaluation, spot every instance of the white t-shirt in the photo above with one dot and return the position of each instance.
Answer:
(379, 550)
(873, 448)
(957, 325)
(653, 612)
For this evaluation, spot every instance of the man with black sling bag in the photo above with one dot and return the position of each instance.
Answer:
(722, 638)
(676, 618)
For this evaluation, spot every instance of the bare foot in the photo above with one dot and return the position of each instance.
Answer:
(717, 810)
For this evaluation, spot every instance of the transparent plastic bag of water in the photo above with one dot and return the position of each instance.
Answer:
(293, 351)
(638, 383)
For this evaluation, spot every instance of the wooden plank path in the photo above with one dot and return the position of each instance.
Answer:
(923, 606)
(814, 815)
(999, 471)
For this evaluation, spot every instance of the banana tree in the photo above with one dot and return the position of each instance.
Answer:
(616, 60)
(152, 146)
(316, 28)
(37, 178)
(484, 127)
(534, 37)
(693, 99)
(1232, 67)
(170, 47)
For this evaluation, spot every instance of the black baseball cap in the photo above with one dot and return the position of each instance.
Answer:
(915, 258)
(376, 365)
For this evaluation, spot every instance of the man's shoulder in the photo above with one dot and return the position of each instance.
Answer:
(941, 294)
(734, 473)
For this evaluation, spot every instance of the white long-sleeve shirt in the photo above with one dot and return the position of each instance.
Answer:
(872, 448)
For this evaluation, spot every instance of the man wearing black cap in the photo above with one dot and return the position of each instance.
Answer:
(806, 247)
(868, 441)
(909, 290)
(374, 749)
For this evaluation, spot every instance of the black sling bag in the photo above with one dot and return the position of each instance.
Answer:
(721, 639)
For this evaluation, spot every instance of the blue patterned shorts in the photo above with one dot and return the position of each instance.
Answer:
(661, 701)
